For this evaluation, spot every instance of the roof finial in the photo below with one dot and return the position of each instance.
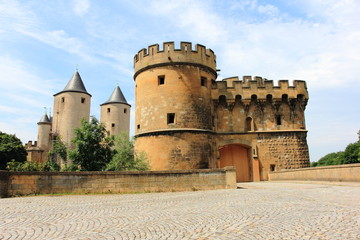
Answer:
(45, 110)
(77, 65)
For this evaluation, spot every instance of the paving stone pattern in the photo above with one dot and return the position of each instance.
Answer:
(266, 210)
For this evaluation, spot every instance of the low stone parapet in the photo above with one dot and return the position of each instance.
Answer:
(345, 173)
(27, 183)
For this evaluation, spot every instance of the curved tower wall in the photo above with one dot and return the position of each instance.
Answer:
(43, 140)
(116, 117)
(69, 109)
(173, 119)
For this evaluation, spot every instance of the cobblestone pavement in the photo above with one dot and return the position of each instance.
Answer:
(266, 210)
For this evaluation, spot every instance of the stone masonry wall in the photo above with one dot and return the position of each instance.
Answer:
(25, 183)
(348, 172)
(287, 150)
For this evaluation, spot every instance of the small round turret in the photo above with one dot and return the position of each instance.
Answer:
(44, 129)
(115, 113)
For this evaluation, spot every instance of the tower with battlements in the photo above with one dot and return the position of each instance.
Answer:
(185, 119)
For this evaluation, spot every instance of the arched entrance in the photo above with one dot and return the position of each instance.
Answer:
(238, 156)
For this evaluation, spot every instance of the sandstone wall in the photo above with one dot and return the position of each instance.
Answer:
(24, 183)
(348, 172)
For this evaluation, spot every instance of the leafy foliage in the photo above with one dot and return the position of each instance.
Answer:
(11, 148)
(92, 149)
(350, 155)
(59, 152)
(125, 158)
(27, 166)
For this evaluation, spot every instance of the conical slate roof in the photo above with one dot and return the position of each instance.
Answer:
(116, 97)
(44, 119)
(75, 85)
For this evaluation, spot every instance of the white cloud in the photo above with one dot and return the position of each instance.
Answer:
(16, 78)
(81, 7)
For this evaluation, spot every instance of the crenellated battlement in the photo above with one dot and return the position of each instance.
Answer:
(261, 87)
(153, 56)
(31, 144)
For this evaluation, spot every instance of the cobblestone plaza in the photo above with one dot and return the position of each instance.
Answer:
(264, 210)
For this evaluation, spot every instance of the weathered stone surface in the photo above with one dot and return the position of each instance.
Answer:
(185, 119)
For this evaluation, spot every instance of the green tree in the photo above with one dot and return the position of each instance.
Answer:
(58, 154)
(331, 159)
(352, 153)
(11, 148)
(125, 158)
(92, 149)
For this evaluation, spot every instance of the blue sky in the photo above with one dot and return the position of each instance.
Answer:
(41, 42)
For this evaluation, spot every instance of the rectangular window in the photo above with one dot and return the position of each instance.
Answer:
(278, 119)
(272, 167)
(161, 80)
(203, 81)
(82, 100)
(138, 126)
(125, 110)
(170, 118)
(113, 125)
(62, 99)
(108, 110)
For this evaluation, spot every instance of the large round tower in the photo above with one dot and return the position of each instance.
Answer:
(115, 113)
(174, 115)
(70, 106)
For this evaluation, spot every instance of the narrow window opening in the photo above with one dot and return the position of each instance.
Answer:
(161, 80)
(170, 118)
(82, 100)
(108, 110)
(62, 99)
(248, 123)
(272, 167)
(278, 119)
(203, 81)
(113, 125)
(138, 126)
(125, 110)
(255, 152)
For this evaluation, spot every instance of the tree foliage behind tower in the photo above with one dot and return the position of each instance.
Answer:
(350, 155)
(11, 148)
(92, 148)
(125, 157)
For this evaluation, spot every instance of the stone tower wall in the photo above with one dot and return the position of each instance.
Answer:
(69, 109)
(116, 117)
(44, 140)
(173, 100)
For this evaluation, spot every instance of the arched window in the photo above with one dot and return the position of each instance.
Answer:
(253, 98)
(222, 100)
(284, 97)
(300, 97)
(237, 98)
(248, 124)
(269, 98)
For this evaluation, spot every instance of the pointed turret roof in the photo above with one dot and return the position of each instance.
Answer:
(44, 119)
(116, 97)
(74, 85)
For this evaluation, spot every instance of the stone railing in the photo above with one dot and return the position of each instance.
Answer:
(27, 183)
(346, 173)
